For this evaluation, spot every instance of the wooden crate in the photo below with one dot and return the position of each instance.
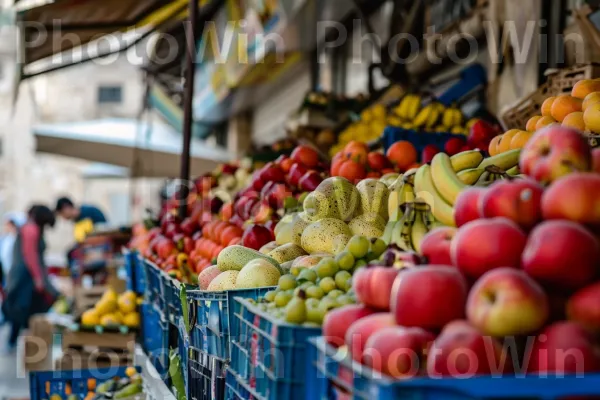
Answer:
(87, 349)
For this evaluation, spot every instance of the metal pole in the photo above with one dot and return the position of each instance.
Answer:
(188, 117)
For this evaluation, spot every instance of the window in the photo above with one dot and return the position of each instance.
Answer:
(110, 94)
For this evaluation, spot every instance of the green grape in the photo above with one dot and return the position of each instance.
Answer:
(345, 260)
(358, 246)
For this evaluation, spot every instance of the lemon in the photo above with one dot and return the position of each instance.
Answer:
(132, 320)
(90, 318)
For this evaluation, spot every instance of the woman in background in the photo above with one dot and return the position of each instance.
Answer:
(12, 222)
(29, 291)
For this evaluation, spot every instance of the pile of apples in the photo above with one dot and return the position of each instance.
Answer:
(515, 288)
(275, 189)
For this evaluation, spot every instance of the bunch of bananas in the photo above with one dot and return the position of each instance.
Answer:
(369, 127)
(428, 194)
(434, 117)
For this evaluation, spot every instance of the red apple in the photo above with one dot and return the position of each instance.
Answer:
(480, 135)
(296, 173)
(428, 152)
(454, 145)
(575, 197)
(584, 307)
(397, 351)
(507, 302)
(262, 212)
(337, 322)
(310, 181)
(165, 248)
(373, 286)
(277, 195)
(189, 226)
(429, 297)
(359, 332)
(562, 255)
(461, 351)
(518, 200)
(272, 173)
(466, 208)
(553, 152)
(306, 156)
(485, 244)
(563, 348)
(435, 245)
(378, 161)
(596, 160)
(256, 236)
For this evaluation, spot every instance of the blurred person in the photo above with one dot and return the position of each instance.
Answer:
(12, 222)
(29, 290)
(85, 217)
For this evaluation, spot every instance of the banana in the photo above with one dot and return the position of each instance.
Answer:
(459, 130)
(413, 107)
(422, 224)
(425, 190)
(466, 160)
(452, 117)
(401, 234)
(491, 175)
(445, 179)
(387, 233)
(434, 115)
(514, 171)
(505, 160)
(471, 175)
(401, 192)
(423, 116)
(403, 107)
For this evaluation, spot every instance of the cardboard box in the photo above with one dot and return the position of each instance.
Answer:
(38, 344)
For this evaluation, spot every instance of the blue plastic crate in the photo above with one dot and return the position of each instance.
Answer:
(44, 384)
(134, 268)
(268, 355)
(206, 375)
(155, 338)
(212, 319)
(155, 287)
(235, 387)
(332, 375)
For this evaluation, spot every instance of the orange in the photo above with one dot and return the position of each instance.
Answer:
(547, 106)
(532, 122)
(590, 99)
(353, 171)
(575, 121)
(544, 121)
(356, 151)
(591, 116)
(493, 148)
(402, 154)
(585, 87)
(564, 105)
(504, 143)
(520, 139)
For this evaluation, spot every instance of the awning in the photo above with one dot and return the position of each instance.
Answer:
(148, 149)
(104, 171)
(66, 32)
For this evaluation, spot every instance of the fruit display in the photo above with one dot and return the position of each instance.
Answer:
(316, 284)
(128, 387)
(523, 260)
(113, 310)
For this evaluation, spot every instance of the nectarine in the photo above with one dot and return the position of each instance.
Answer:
(584, 308)
(337, 322)
(466, 207)
(562, 255)
(576, 197)
(518, 200)
(553, 152)
(485, 244)
(373, 286)
(429, 297)
(435, 245)
(507, 302)
(360, 331)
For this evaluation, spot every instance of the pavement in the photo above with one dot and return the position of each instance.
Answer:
(13, 379)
